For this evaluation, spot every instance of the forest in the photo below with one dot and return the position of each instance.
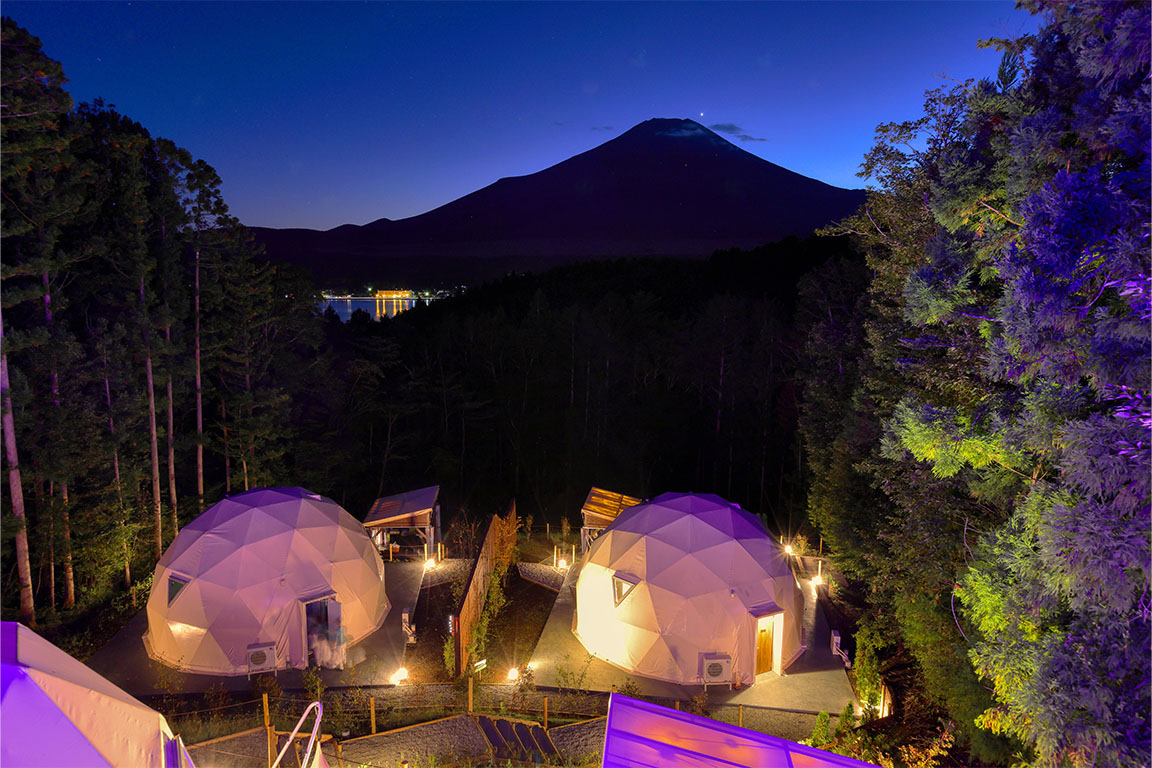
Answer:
(950, 388)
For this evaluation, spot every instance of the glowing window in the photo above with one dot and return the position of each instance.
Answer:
(175, 584)
(622, 585)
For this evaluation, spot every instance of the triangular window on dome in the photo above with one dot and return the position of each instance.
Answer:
(175, 584)
(622, 585)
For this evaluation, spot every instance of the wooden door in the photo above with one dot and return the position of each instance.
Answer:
(764, 648)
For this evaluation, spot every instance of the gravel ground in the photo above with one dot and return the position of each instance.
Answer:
(448, 569)
(248, 750)
(580, 742)
(544, 575)
(448, 740)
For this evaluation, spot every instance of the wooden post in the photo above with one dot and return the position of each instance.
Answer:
(372, 703)
(389, 551)
(677, 705)
(469, 695)
(269, 736)
(425, 551)
(339, 753)
(296, 749)
(440, 546)
(573, 560)
(555, 555)
(545, 713)
(548, 531)
(740, 716)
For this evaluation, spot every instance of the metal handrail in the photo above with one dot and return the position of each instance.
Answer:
(311, 742)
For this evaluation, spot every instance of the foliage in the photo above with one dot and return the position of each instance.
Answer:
(871, 643)
(699, 704)
(449, 651)
(313, 681)
(990, 478)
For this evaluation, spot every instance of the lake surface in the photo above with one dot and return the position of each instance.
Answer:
(376, 308)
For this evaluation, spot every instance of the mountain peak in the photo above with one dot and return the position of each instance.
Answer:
(659, 131)
(670, 126)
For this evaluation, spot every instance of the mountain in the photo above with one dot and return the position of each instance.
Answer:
(665, 187)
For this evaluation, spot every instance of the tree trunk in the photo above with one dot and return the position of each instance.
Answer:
(51, 558)
(227, 452)
(199, 390)
(251, 434)
(66, 533)
(153, 444)
(54, 385)
(171, 447)
(23, 566)
(387, 456)
(116, 478)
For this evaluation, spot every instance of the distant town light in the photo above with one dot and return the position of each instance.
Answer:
(399, 676)
(513, 675)
(788, 549)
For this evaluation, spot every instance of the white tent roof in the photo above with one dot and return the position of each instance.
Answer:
(248, 564)
(58, 712)
(682, 576)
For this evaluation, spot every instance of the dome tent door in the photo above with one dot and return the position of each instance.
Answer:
(325, 636)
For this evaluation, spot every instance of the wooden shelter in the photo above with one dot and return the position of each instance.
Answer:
(599, 510)
(417, 511)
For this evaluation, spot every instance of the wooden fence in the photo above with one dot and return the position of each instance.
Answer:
(472, 604)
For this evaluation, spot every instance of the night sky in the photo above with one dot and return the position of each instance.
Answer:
(320, 114)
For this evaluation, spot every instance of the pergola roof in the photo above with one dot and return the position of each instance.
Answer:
(602, 507)
(404, 510)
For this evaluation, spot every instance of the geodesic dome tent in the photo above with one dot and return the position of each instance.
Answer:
(689, 589)
(57, 711)
(252, 583)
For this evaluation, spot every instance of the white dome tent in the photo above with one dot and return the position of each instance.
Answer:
(688, 579)
(261, 578)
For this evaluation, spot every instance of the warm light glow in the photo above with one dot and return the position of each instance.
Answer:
(788, 548)
(817, 580)
(563, 564)
(530, 665)
(430, 563)
(513, 675)
(399, 676)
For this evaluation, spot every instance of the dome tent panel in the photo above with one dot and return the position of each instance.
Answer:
(701, 564)
(297, 546)
(57, 711)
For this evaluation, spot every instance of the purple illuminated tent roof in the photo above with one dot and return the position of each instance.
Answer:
(57, 711)
(643, 735)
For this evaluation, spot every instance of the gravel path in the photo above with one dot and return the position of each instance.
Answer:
(544, 575)
(448, 569)
(580, 742)
(449, 740)
(247, 750)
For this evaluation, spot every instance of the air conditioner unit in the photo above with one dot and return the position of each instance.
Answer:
(261, 657)
(716, 668)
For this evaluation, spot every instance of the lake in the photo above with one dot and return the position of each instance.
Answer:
(376, 308)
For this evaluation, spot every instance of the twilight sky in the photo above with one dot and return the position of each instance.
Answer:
(321, 114)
